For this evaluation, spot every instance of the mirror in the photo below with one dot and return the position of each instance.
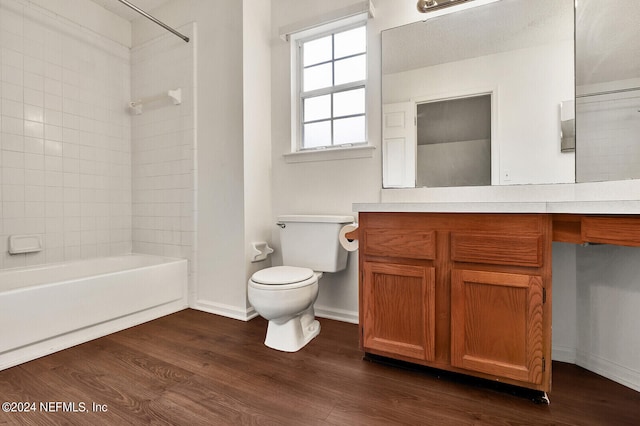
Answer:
(607, 90)
(515, 55)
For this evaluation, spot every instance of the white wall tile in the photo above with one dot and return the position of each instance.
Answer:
(65, 153)
(33, 145)
(33, 177)
(12, 92)
(13, 192)
(33, 97)
(12, 125)
(11, 142)
(12, 159)
(33, 113)
(33, 129)
(34, 161)
(12, 108)
(158, 148)
(33, 64)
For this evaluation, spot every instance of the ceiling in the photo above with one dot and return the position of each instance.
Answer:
(127, 13)
(607, 42)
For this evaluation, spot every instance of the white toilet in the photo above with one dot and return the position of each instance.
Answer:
(284, 295)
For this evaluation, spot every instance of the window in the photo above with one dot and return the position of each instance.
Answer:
(331, 88)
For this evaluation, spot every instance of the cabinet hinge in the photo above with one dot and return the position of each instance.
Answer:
(544, 364)
(544, 295)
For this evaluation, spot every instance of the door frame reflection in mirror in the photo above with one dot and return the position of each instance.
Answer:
(399, 135)
(454, 145)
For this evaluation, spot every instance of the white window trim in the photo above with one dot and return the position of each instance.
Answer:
(328, 154)
(296, 155)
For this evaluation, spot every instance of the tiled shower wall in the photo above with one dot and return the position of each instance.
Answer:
(163, 147)
(65, 137)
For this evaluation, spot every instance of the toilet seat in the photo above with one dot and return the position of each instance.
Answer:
(283, 278)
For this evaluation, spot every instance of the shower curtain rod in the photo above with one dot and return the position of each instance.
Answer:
(157, 21)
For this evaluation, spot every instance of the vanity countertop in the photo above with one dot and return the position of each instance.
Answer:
(568, 207)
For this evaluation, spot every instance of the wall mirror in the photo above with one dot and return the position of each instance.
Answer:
(476, 97)
(607, 90)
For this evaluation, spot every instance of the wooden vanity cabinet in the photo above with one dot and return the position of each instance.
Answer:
(462, 292)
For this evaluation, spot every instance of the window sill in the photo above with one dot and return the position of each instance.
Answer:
(329, 154)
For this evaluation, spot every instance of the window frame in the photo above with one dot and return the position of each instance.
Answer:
(297, 41)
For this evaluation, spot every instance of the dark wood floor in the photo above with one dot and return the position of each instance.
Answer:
(193, 368)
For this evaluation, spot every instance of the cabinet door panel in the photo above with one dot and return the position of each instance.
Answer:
(399, 309)
(496, 324)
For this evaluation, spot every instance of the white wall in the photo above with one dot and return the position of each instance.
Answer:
(322, 187)
(608, 297)
(89, 15)
(564, 315)
(231, 167)
(257, 128)
(66, 147)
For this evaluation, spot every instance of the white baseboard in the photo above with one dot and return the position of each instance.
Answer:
(336, 314)
(609, 369)
(563, 354)
(54, 344)
(228, 311)
(249, 313)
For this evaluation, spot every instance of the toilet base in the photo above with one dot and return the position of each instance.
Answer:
(294, 334)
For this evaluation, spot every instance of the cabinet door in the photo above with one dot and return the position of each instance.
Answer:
(399, 309)
(496, 324)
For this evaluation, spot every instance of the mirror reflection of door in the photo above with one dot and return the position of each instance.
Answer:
(454, 142)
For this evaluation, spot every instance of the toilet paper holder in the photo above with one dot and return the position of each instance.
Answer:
(349, 237)
(260, 251)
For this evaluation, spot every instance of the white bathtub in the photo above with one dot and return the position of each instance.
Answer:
(51, 307)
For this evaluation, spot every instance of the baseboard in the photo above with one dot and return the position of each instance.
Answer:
(609, 369)
(336, 314)
(228, 311)
(54, 344)
(563, 354)
(250, 313)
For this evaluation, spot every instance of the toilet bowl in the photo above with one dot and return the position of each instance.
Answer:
(284, 295)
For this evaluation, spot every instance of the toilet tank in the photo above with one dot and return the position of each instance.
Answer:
(312, 241)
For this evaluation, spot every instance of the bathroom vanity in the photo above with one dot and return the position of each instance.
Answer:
(467, 287)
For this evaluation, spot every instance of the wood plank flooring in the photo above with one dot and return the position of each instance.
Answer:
(194, 368)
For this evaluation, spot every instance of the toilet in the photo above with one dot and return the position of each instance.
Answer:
(284, 295)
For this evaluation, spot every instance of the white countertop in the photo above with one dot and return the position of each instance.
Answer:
(571, 207)
(615, 197)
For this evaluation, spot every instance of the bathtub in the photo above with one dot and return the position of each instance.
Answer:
(47, 308)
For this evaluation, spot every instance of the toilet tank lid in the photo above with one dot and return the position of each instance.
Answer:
(315, 218)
